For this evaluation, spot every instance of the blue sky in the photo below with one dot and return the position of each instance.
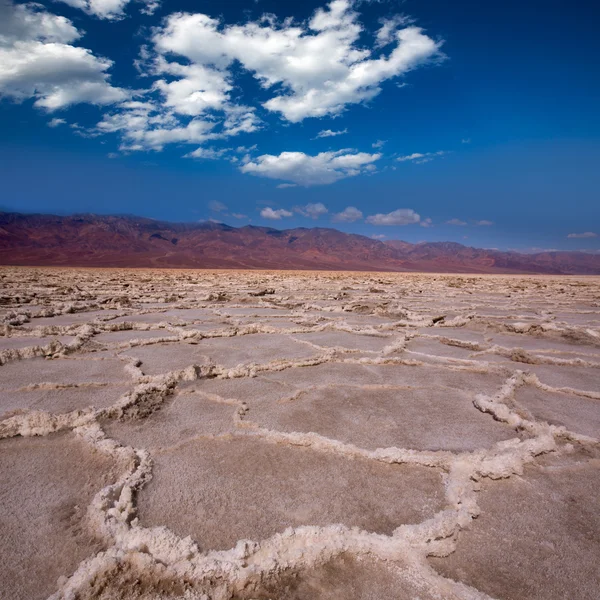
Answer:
(468, 121)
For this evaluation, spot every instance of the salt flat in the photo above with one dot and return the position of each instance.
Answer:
(220, 435)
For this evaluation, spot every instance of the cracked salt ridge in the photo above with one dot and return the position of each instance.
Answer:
(515, 449)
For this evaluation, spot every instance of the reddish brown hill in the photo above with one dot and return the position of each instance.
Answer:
(117, 241)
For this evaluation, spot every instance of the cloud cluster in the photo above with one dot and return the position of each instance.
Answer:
(314, 211)
(348, 215)
(312, 68)
(275, 215)
(38, 60)
(110, 9)
(304, 169)
(147, 125)
(582, 236)
(315, 68)
(401, 216)
(207, 153)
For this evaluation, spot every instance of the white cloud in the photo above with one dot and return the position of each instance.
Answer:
(110, 9)
(456, 222)
(28, 22)
(207, 153)
(582, 236)
(389, 27)
(151, 125)
(303, 169)
(465, 141)
(197, 89)
(217, 206)
(378, 144)
(348, 215)
(401, 216)
(56, 122)
(426, 222)
(314, 211)
(284, 186)
(316, 68)
(420, 158)
(309, 68)
(239, 216)
(379, 236)
(244, 149)
(276, 215)
(483, 223)
(37, 60)
(329, 133)
(144, 125)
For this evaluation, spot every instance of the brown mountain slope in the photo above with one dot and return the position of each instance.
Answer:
(123, 241)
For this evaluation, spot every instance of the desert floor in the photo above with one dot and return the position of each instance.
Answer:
(290, 435)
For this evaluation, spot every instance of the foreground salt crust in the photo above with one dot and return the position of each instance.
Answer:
(300, 435)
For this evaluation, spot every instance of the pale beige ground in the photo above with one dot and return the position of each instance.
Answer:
(546, 531)
(47, 484)
(298, 436)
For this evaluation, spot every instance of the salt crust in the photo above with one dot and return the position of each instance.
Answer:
(167, 566)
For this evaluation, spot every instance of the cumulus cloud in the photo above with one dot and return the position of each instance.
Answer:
(420, 158)
(456, 222)
(582, 236)
(484, 223)
(38, 60)
(315, 68)
(401, 216)
(387, 32)
(348, 215)
(378, 144)
(56, 122)
(426, 222)
(207, 153)
(314, 211)
(285, 186)
(325, 133)
(276, 215)
(379, 236)
(304, 169)
(110, 9)
(312, 68)
(148, 126)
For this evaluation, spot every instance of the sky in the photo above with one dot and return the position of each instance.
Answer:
(429, 120)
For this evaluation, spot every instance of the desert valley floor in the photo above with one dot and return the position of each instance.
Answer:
(172, 434)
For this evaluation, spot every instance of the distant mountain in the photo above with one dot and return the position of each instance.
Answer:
(127, 241)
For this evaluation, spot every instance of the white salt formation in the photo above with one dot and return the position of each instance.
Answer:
(187, 435)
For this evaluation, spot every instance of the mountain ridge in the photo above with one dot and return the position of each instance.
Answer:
(89, 240)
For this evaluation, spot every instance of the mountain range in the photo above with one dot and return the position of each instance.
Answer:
(128, 241)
